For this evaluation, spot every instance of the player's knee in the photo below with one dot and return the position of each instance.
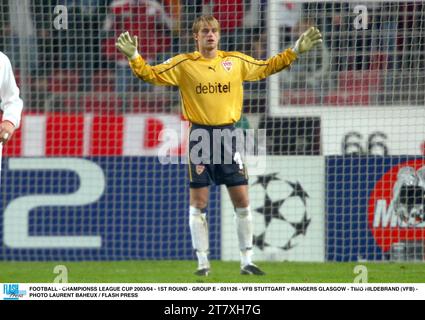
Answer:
(243, 213)
(199, 201)
(199, 204)
(199, 198)
(239, 196)
(241, 202)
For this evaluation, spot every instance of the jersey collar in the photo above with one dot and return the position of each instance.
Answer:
(197, 55)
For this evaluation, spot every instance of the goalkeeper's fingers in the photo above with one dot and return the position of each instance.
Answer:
(316, 36)
(309, 32)
(135, 41)
(121, 37)
(316, 42)
(127, 37)
(119, 44)
(313, 33)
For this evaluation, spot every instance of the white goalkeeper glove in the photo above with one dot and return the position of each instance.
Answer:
(308, 40)
(127, 45)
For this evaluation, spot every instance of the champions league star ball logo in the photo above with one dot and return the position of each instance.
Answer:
(396, 205)
(284, 213)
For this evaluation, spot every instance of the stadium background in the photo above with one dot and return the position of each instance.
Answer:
(81, 180)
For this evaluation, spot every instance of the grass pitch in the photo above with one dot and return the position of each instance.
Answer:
(221, 272)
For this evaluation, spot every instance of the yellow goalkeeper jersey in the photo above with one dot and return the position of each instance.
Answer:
(211, 89)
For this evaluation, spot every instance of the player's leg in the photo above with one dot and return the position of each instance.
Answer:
(199, 227)
(200, 172)
(234, 175)
(243, 218)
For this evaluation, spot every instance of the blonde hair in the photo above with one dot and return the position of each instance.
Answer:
(205, 20)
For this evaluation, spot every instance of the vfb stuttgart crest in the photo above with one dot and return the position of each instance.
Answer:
(200, 169)
(227, 65)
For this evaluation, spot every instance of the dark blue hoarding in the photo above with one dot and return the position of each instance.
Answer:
(360, 224)
(104, 208)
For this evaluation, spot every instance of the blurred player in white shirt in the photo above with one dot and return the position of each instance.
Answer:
(11, 104)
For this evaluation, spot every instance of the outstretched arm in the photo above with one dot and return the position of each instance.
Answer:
(163, 74)
(256, 69)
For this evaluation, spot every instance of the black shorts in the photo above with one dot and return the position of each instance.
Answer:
(215, 156)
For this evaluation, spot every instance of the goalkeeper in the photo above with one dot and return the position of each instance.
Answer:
(210, 83)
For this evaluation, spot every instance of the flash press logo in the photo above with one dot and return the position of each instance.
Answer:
(11, 291)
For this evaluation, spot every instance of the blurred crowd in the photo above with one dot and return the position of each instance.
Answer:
(82, 60)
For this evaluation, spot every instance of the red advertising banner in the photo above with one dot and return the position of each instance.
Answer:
(63, 134)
